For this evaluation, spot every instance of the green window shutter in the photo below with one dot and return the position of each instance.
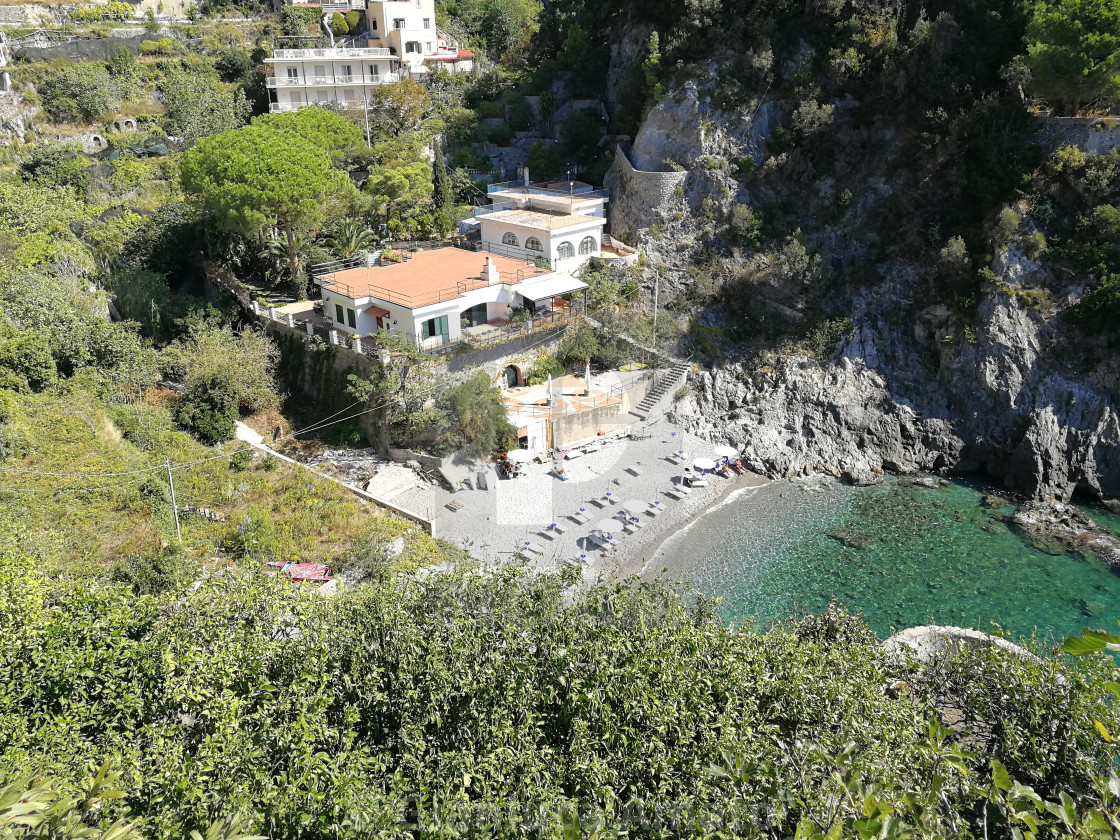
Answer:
(350, 318)
(338, 312)
(426, 329)
(441, 325)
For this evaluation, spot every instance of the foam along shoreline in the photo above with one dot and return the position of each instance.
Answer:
(636, 558)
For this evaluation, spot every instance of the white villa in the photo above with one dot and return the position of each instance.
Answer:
(444, 295)
(407, 28)
(315, 76)
(559, 221)
(403, 40)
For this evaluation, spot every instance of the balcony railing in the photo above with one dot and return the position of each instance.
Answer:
(331, 81)
(284, 107)
(338, 52)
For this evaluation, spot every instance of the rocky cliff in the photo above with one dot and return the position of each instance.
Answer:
(916, 385)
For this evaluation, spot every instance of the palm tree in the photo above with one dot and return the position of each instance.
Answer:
(281, 252)
(350, 237)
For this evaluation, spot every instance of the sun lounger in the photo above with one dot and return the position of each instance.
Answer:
(556, 527)
(678, 457)
(655, 509)
(579, 517)
(630, 528)
(595, 539)
(547, 534)
(637, 523)
(635, 469)
(533, 548)
(676, 493)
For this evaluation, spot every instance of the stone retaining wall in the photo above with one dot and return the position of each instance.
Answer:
(1090, 134)
(639, 196)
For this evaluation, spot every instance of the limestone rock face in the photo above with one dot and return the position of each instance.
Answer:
(998, 403)
(802, 417)
(1010, 387)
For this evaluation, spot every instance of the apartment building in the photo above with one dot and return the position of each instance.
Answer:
(402, 39)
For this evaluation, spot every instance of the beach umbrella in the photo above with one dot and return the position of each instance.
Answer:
(550, 388)
(704, 464)
(608, 526)
(634, 507)
(587, 375)
(519, 456)
(726, 451)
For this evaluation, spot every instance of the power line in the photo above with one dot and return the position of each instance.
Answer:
(78, 475)
(313, 427)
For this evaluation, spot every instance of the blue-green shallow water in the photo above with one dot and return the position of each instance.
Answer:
(901, 555)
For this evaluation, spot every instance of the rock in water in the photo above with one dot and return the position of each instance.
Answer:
(1057, 528)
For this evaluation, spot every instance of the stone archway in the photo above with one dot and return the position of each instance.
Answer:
(513, 376)
(98, 141)
(129, 124)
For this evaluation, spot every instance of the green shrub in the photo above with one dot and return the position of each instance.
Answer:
(1099, 309)
(520, 112)
(52, 165)
(168, 571)
(338, 24)
(113, 10)
(746, 225)
(254, 538)
(241, 460)
(208, 410)
(79, 93)
(161, 46)
(501, 134)
(354, 22)
(1007, 226)
(26, 363)
(546, 160)
(544, 365)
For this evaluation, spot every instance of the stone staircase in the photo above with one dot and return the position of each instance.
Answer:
(663, 390)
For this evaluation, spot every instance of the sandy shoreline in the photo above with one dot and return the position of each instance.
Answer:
(638, 558)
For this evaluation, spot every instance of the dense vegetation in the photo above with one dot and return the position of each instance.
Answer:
(154, 687)
(495, 705)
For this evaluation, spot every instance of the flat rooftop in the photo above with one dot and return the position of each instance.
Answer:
(541, 219)
(428, 277)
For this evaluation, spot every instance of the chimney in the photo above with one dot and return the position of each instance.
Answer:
(490, 272)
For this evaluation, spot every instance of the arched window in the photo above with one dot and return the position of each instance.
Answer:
(533, 244)
(566, 251)
(509, 239)
(588, 245)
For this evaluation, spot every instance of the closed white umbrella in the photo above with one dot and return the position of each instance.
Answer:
(608, 526)
(725, 451)
(519, 456)
(550, 389)
(587, 376)
(703, 464)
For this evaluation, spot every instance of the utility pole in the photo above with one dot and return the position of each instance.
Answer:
(174, 506)
(656, 293)
(365, 110)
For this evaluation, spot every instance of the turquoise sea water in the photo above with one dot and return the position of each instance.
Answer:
(900, 554)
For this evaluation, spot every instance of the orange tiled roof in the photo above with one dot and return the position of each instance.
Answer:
(429, 277)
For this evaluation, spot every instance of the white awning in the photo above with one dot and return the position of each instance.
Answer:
(549, 287)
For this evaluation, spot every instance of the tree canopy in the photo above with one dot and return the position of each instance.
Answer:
(269, 173)
(1074, 51)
